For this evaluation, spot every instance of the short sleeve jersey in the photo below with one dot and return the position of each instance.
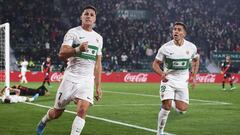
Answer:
(24, 65)
(46, 66)
(82, 65)
(177, 60)
(226, 66)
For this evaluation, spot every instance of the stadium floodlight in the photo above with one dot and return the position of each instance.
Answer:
(5, 56)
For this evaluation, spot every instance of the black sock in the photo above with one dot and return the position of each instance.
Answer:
(43, 82)
(231, 84)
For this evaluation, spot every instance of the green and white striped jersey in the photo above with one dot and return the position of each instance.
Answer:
(82, 65)
(177, 60)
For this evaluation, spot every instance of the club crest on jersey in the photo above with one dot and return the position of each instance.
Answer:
(187, 52)
(97, 40)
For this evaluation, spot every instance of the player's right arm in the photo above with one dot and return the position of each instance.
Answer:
(156, 68)
(156, 64)
(42, 68)
(67, 50)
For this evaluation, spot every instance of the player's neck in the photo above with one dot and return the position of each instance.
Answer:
(179, 42)
(87, 27)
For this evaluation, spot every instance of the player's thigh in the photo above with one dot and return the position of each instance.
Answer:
(64, 94)
(182, 95)
(180, 105)
(85, 90)
(23, 73)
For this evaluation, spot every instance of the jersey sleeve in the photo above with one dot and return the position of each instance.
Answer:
(100, 46)
(195, 53)
(222, 66)
(69, 38)
(160, 54)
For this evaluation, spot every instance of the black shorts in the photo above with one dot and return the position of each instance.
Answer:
(227, 75)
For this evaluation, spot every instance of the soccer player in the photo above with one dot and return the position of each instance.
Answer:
(24, 91)
(226, 67)
(82, 46)
(176, 55)
(16, 98)
(24, 65)
(46, 69)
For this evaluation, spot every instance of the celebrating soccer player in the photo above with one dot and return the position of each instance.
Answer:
(82, 46)
(176, 55)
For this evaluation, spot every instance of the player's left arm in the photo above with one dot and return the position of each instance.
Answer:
(195, 68)
(195, 65)
(98, 75)
(51, 67)
(42, 66)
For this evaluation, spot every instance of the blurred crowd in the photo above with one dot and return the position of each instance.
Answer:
(38, 27)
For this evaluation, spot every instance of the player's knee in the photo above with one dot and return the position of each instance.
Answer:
(55, 114)
(82, 112)
(166, 105)
(182, 109)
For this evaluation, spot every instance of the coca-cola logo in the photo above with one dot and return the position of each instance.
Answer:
(56, 77)
(208, 78)
(141, 77)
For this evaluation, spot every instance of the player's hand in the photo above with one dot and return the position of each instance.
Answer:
(222, 72)
(193, 85)
(193, 81)
(163, 77)
(98, 97)
(83, 47)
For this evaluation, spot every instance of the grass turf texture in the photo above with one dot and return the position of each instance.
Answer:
(135, 104)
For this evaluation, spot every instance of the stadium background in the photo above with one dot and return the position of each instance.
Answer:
(133, 30)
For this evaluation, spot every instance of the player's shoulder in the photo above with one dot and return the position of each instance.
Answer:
(190, 44)
(167, 45)
(97, 34)
(74, 29)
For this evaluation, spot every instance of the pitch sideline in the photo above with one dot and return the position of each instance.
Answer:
(147, 95)
(103, 119)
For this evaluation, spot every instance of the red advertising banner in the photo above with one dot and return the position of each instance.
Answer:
(128, 77)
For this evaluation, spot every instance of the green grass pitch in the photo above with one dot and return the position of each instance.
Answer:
(131, 109)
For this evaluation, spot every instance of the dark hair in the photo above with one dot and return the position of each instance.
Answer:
(182, 24)
(90, 7)
(6, 100)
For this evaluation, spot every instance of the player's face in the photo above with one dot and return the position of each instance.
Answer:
(88, 17)
(178, 32)
(48, 59)
(227, 59)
